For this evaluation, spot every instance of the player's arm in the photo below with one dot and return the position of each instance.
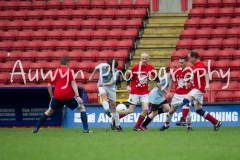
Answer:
(50, 91)
(160, 85)
(128, 82)
(170, 85)
(93, 74)
(207, 83)
(75, 90)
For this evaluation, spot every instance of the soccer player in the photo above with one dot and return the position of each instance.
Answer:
(158, 102)
(107, 89)
(65, 93)
(200, 85)
(137, 86)
(182, 88)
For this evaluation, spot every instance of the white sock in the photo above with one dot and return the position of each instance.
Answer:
(105, 105)
(168, 119)
(189, 119)
(116, 118)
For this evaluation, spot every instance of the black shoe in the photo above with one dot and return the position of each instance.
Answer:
(108, 113)
(217, 126)
(181, 122)
(163, 128)
(119, 128)
(136, 129)
(87, 131)
(35, 130)
(113, 125)
(189, 128)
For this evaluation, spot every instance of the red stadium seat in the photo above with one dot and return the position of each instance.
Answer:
(49, 14)
(207, 23)
(109, 45)
(238, 46)
(43, 25)
(209, 54)
(230, 43)
(78, 14)
(27, 56)
(39, 35)
(215, 85)
(203, 33)
(24, 5)
(9, 5)
(93, 14)
(68, 4)
(80, 4)
(98, 35)
(214, 43)
(199, 3)
(36, 14)
(4, 78)
(222, 64)
(238, 3)
(84, 66)
(4, 46)
(234, 75)
(231, 85)
(88, 24)
(52, 35)
(8, 36)
(89, 56)
(63, 14)
(171, 64)
(3, 25)
(236, 54)
(210, 12)
(234, 65)
(107, 14)
(73, 24)
(224, 96)
(93, 97)
(51, 66)
(63, 45)
(58, 25)
(218, 33)
(56, 56)
(235, 22)
(113, 34)
(124, 44)
(67, 35)
(23, 35)
(126, 4)
(98, 4)
(188, 34)
(142, 4)
(233, 33)
(14, 25)
(118, 14)
(225, 54)
(192, 23)
(39, 5)
(47, 45)
(236, 96)
(199, 44)
(32, 45)
(120, 55)
(179, 53)
(17, 45)
(81, 77)
(86, 34)
(222, 22)
(103, 24)
(43, 56)
(229, 3)
(53, 5)
(111, 4)
(90, 87)
(214, 3)
(209, 63)
(133, 23)
(117, 24)
(79, 45)
(103, 55)
(137, 13)
(129, 34)
(19, 15)
(236, 12)
(6, 15)
(75, 55)
(226, 12)
(29, 25)
(13, 56)
(196, 13)
(184, 44)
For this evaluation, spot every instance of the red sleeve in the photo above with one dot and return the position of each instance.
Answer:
(71, 75)
(50, 81)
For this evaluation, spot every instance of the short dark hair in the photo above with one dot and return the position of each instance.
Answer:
(64, 60)
(184, 57)
(194, 54)
(110, 62)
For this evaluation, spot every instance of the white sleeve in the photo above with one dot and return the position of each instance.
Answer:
(101, 65)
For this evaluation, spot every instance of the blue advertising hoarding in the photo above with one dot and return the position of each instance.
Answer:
(228, 114)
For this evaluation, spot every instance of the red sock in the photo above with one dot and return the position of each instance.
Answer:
(185, 111)
(189, 124)
(139, 122)
(121, 116)
(211, 118)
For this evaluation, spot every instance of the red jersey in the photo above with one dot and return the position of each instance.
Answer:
(139, 83)
(59, 82)
(199, 68)
(180, 84)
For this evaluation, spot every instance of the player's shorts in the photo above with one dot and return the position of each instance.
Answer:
(155, 107)
(71, 103)
(111, 92)
(198, 96)
(177, 100)
(133, 98)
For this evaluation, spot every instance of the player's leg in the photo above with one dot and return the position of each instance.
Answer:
(133, 98)
(54, 104)
(154, 112)
(185, 104)
(105, 104)
(189, 121)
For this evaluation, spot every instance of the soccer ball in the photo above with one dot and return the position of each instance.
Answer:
(121, 108)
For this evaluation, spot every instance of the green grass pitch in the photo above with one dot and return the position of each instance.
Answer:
(71, 144)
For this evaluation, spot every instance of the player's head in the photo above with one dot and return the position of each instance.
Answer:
(112, 61)
(144, 58)
(182, 61)
(65, 60)
(193, 57)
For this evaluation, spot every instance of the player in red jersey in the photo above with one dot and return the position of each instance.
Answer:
(65, 93)
(182, 88)
(138, 88)
(200, 85)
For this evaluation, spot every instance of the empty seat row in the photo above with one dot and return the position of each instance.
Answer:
(209, 54)
(215, 3)
(49, 56)
(71, 4)
(68, 45)
(72, 14)
(216, 43)
(212, 22)
(214, 12)
(209, 33)
(29, 35)
(70, 24)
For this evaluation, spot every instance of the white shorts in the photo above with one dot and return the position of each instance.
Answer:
(111, 92)
(133, 98)
(198, 96)
(177, 100)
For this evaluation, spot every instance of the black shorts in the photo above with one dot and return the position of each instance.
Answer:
(71, 103)
(155, 107)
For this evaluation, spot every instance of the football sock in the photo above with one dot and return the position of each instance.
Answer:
(146, 122)
(160, 110)
(121, 116)
(168, 119)
(41, 120)
(105, 105)
(116, 118)
(84, 120)
(189, 119)
(207, 116)
(139, 122)
(185, 108)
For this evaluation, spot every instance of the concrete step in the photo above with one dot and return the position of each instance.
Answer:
(156, 46)
(169, 30)
(160, 41)
(164, 35)
(166, 20)
(155, 52)
(152, 25)
(168, 15)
